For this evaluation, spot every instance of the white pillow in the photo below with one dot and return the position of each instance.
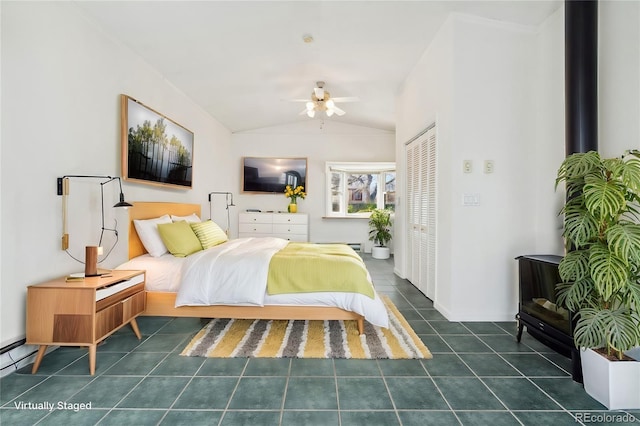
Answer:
(148, 232)
(192, 218)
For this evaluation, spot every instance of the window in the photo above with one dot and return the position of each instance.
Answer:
(354, 189)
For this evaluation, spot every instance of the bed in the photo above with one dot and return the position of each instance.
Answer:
(162, 302)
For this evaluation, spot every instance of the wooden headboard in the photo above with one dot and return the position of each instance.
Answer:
(149, 210)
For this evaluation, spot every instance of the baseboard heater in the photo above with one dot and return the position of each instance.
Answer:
(355, 246)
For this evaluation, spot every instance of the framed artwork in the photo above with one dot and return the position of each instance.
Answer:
(155, 149)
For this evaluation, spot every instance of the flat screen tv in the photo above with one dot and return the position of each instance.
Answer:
(263, 174)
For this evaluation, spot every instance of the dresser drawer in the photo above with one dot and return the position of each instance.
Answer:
(253, 228)
(298, 238)
(282, 218)
(290, 229)
(255, 218)
(255, 235)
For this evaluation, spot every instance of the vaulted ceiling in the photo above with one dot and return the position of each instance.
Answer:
(243, 61)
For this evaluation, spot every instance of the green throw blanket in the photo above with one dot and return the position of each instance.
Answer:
(306, 268)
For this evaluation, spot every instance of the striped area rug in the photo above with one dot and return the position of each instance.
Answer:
(228, 338)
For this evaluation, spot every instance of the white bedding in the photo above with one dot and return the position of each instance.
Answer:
(186, 275)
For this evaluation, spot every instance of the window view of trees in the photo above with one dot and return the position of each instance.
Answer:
(390, 191)
(359, 192)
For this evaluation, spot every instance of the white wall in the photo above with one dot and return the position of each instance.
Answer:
(549, 136)
(475, 81)
(618, 77)
(507, 104)
(333, 142)
(492, 115)
(426, 98)
(61, 81)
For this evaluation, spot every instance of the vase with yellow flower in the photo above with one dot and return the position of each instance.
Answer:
(293, 194)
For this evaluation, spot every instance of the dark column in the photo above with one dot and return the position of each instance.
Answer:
(581, 75)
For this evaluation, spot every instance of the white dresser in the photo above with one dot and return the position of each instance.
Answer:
(290, 226)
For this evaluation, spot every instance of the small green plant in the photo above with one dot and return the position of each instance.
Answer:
(380, 227)
(601, 271)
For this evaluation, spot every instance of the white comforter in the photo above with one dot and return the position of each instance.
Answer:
(237, 279)
(233, 273)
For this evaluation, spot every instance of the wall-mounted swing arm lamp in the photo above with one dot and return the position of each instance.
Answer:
(229, 203)
(63, 189)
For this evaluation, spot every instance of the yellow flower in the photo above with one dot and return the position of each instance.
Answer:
(294, 193)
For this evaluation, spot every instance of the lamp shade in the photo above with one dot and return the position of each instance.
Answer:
(122, 202)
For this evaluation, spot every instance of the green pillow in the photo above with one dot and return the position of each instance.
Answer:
(209, 233)
(179, 238)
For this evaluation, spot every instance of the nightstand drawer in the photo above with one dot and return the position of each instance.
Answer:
(118, 297)
(112, 317)
(118, 287)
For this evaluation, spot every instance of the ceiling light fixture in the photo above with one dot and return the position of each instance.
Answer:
(321, 101)
(307, 38)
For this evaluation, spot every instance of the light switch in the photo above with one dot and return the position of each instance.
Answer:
(470, 199)
(488, 166)
(467, 166)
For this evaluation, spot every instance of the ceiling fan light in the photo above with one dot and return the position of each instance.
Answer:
(311, 113)
(310, 106)
(329, 112)
(330, 104)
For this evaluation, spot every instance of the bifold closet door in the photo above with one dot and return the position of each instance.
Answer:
(421, 208)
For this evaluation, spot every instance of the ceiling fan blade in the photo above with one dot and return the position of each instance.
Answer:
(347, 99)
(309, 113)
(337, 110)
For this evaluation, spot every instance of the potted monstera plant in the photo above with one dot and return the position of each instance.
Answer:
(380, 233)
(601, 271)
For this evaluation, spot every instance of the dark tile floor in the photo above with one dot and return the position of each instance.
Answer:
(479, 375)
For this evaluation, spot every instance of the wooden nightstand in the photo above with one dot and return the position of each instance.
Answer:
(83, 313)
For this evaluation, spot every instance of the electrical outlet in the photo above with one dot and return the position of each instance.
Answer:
(467, 166)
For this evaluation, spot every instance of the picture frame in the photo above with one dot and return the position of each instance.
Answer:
(155, 149)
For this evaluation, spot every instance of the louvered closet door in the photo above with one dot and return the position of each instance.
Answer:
(422, 208)
(431, 210)
(413, 206)
(424, 198)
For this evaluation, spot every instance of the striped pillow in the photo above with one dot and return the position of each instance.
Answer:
(209, 233)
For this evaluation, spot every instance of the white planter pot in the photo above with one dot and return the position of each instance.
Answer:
(615, 384)
(380, 252)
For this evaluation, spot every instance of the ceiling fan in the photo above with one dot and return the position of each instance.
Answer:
(321, 101)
